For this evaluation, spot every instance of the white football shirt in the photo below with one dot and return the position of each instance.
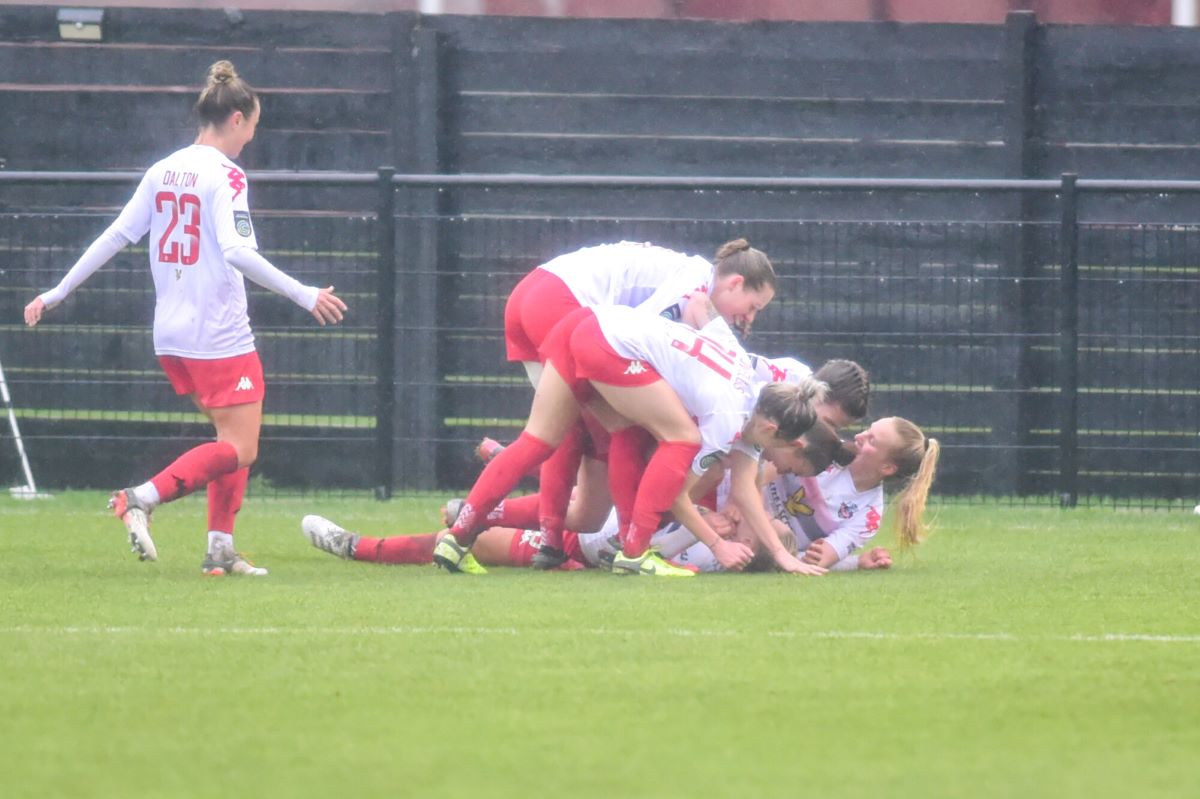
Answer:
(194, 204)
(708, 369)
(642, 276)
(826, 506)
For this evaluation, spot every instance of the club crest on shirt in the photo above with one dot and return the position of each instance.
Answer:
(241, 223)
(846, 510)
(711, 459)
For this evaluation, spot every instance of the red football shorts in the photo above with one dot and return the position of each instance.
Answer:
(217, 383)
(556, 351)
(538, 302)
(596, 360)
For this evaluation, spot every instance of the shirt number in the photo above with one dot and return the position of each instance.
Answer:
(186, 206)
(709, 353)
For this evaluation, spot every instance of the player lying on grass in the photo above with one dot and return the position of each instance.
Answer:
(831, 512)
(507, 546)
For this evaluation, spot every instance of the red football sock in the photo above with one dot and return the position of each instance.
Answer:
(409, 549)
(665, 476)
(626, 464)
(195, 468)
(500, 476)
(518, 512)
(556, 479)
(225, 499)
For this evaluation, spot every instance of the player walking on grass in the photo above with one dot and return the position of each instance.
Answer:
(194, 203)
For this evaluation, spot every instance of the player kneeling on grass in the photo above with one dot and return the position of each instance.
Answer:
(194, 205)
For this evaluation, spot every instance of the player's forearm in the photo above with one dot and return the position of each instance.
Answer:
(247, 261)
(687, 515)
(846, 564)
(97, 255)
(744, 494)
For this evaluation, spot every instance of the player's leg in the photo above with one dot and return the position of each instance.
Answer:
(209, 384)
(237, 426)
(657, 408)
(554, 411)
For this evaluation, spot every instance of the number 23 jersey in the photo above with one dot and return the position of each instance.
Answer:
(194, 205)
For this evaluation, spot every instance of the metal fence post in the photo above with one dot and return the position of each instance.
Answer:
(385, 336)
(1069, 346)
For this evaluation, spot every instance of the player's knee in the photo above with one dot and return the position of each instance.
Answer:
(247, 454)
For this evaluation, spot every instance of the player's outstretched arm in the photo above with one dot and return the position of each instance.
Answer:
(745, 495)
(97, 255)
(323, 304)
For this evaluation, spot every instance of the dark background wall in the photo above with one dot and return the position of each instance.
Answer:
(950, 298)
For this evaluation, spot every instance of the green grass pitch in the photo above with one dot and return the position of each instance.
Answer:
(1025, 652)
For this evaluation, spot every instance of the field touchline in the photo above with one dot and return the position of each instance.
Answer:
(678, 632)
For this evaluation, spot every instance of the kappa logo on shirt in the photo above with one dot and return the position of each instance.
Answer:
(635, 368)
(237, 179)
(244, 384)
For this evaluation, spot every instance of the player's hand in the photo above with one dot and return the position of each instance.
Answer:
(732, 556)
(790, 564)
(329, 308)
(818, 551)
(34, 311)
(877, 558)
(720, 523)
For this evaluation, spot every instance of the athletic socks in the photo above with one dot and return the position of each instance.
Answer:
(665, 476)
(498, 478)
(225, 499)
(555, 481)
(518, 512)
(626, 464)
(397, 549)
(195, 468)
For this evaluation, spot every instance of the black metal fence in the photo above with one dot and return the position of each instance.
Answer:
(1055, 354)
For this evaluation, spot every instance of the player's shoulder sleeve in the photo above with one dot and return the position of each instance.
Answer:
(689, 274)
(134, 219)
(230, 199)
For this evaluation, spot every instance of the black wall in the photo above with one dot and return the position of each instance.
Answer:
(950, 298)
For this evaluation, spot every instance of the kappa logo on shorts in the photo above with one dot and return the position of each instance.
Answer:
(244, 384)
(635, 368)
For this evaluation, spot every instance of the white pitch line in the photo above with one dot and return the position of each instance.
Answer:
(1097, 638)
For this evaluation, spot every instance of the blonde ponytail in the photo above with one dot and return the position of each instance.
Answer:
(916, 462)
